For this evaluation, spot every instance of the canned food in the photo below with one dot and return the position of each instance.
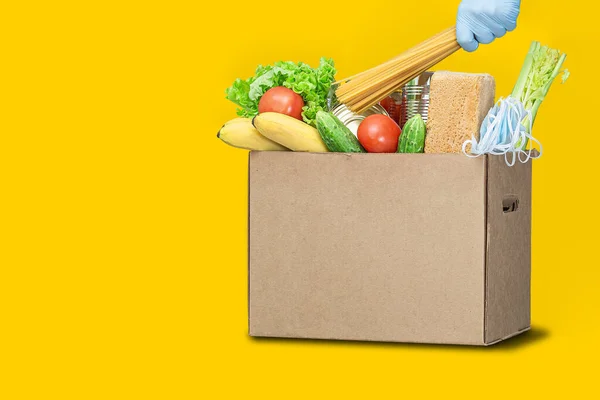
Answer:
(351, 119)
(415, 98)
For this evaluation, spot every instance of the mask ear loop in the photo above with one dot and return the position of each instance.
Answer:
(473, 144)
(486, 137)
(528, 136)
(515, 132)
(507, 116)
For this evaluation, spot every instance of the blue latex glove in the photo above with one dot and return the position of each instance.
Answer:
(481, 21)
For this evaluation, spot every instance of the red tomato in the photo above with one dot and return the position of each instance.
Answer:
(283, 101)
(379, 134)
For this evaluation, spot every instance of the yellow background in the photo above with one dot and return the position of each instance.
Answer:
(123, 251)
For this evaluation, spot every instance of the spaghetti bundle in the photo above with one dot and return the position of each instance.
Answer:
(361, 91)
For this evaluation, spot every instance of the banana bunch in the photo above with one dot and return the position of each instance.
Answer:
(272, 132)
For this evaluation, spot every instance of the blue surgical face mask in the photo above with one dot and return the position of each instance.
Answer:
(504, 130)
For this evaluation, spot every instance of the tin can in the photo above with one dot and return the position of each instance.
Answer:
(351, 119)
(415, 98)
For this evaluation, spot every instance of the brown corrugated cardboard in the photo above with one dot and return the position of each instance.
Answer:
(508, 259)
(388, 247)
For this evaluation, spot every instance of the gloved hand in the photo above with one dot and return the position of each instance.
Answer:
(481, 21)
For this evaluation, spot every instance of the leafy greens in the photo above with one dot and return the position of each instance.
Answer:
(311, 83)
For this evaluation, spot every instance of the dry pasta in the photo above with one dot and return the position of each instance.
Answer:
(361, 91)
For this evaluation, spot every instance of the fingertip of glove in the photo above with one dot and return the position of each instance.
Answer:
(511, 26)
(465, 37)
(468, 45)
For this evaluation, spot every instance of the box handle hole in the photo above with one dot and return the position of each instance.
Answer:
(510, 203)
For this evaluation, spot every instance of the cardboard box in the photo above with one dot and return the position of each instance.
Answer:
(431, 248)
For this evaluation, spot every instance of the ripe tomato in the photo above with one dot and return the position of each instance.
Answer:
(283, 101)
(379, 134)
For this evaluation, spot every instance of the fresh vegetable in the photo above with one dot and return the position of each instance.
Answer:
(240, 132)
(282, 100)
(312, 84)
(289, 132)
(507, 126)
(379, 134)
(336, 135)
(412, 139)
(542, 65)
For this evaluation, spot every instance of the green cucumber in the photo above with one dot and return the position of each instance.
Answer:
(412, 139)
(336, 136)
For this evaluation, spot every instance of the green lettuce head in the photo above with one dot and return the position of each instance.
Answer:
(311, 83)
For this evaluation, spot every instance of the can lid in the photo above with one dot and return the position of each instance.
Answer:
(351, 119)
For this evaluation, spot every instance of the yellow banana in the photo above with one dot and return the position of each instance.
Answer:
(289, 132)
(239, 132)
(238, 119)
